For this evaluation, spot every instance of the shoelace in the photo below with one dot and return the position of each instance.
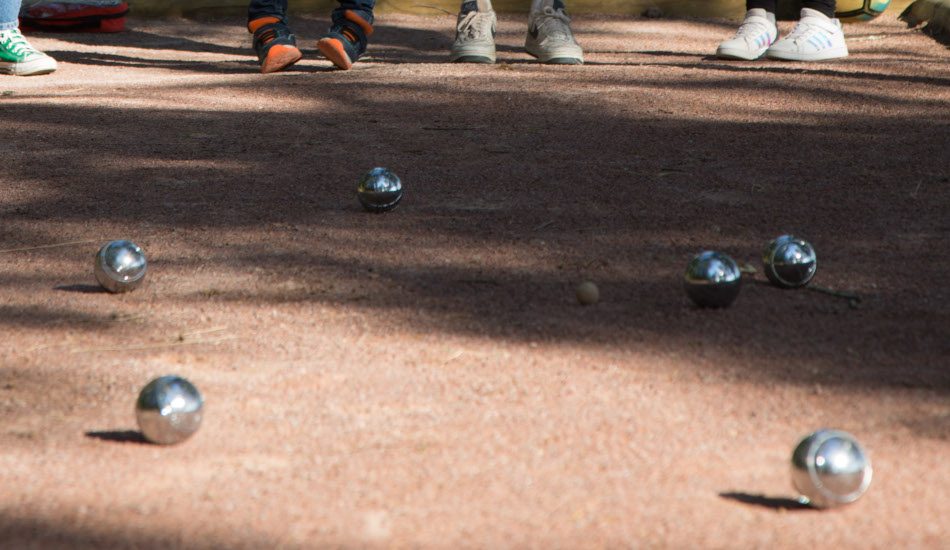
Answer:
(751, 30)
(556, 23)
(16, 42)
(475, 25)
(803, 31)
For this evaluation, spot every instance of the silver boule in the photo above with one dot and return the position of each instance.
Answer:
(379, 190)
(712, 279)
(120, 266)
(790, 262)
(830, 468)
(169, 410)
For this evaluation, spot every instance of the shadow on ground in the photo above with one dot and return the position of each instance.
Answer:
(119, 436)
(516, 192)
(772, 503)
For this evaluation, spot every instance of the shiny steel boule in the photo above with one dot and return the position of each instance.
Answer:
(790, 262)
(713, 279)
(379, 190)
(168, 410)
(830, 468)
(120, 266)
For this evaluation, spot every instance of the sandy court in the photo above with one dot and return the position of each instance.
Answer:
(425, 378)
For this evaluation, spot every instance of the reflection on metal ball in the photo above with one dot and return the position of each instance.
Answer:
(379, 190)
(120, 266)
(713, 279)
(168, 410)
(830, 468)
(790, 262)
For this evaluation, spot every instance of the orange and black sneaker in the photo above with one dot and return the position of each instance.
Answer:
(275, 45)
(348, 36)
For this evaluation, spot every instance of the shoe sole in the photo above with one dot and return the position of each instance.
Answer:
(332, 49)
(473, 59)
(35, 68)
(560, 56)
(738, 54)
(473, 55)
(280, 57)
(823, 56)
(558, 60)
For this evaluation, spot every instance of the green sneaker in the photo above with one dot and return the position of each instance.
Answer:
(18, 57)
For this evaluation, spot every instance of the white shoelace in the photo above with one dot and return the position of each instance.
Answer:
(16, 42)
(475, 25)
(803, 31)
(752, 29)
(553, 24)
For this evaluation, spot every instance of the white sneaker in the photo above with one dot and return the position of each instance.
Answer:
(755, 35)
(549, 35)
(475, 33)
(19, 58)
(815, 38)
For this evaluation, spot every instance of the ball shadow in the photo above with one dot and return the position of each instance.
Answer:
(773, 503)
(119, 436)
(81, 288)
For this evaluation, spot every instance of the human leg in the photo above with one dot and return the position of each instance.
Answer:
(351, 27)
(275, 44)
(756, 33)
(17, 55)
(474, 33)
(818, 36)
(550, 38)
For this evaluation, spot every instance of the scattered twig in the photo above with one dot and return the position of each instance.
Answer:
(157, 345)
(185, 335)
(478, 281)
(447, 12)
(853, 299)
(453, 357)
(543, 225)
(44, 246)
(69, 243)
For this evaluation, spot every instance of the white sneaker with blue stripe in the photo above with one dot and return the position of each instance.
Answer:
(753, 38)
(816, 37)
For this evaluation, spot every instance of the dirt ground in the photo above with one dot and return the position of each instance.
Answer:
(425, 378)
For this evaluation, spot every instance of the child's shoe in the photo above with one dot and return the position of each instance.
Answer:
(347, 39)
(475, 33)
(549, 36)
(275, 45)
(19, 58)
(755, 35)
(816, 37)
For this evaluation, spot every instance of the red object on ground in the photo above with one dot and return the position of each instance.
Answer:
(59, 16)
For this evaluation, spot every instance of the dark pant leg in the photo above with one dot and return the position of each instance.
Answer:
(767, 5)
(364, 7)
(267, 8)
(826, 7)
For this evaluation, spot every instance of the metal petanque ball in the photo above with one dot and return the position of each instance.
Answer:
(713, 279)
(829, 468)
(120, 266)
(168, 410)
(790, 262)
(379, 190)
